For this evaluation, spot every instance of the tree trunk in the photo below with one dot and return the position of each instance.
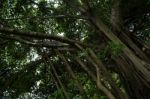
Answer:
(135, 84)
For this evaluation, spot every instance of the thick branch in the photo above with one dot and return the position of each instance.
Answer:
(117, 24)
(38, 35)
(49, 17)
(136, 61)
(36, 44)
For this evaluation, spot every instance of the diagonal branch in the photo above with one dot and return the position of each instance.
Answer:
(135, 60)
(68, 67)
(117, 24)
(102, 72)
(54, 78)
(57, 77)
(100, 86)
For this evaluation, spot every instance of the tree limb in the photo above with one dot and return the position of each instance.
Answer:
(38, 36)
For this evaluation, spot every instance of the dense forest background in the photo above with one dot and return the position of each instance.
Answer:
(74, 49)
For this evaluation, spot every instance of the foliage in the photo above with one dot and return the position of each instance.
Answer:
(112, 49)
(43, 41)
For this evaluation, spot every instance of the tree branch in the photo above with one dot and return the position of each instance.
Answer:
(39, 44)
(47, 17)
(39, 36)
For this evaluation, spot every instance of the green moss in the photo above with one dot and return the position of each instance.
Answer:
(113, 49)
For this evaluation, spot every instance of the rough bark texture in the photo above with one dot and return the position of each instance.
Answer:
(137, 86)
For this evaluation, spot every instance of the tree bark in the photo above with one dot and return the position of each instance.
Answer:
(137, 87)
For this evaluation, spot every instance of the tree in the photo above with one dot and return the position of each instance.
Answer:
(75, 49)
